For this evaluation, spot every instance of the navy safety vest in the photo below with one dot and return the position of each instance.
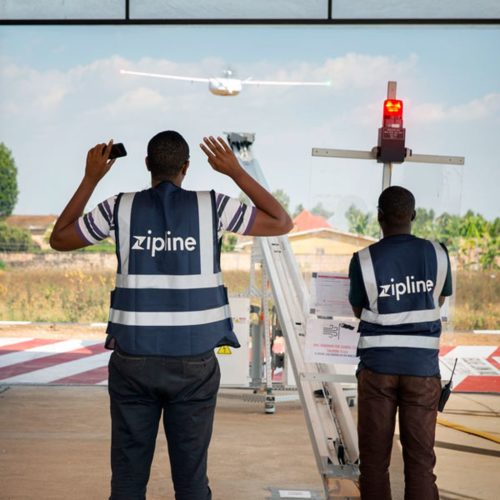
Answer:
(400, 329)
(169, 297)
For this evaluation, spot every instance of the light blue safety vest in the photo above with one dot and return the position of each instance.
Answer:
(169, 297)
(400, 329)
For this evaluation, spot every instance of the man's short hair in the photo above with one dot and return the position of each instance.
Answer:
(167, 153)
(396, 205)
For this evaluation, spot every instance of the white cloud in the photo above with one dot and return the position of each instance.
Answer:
(98, 86)
(50, 118)
(139, 100)
(28, 90)
(363, 71)
(476, 109)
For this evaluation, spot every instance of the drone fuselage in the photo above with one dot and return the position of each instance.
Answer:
(225, 86)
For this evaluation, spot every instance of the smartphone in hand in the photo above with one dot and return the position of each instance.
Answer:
(117, 151)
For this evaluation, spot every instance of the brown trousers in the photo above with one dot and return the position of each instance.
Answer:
(379, 396)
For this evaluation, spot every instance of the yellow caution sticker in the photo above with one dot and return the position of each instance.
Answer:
(225, 349)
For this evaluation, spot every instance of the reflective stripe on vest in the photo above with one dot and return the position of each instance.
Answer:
(206, 233)
(124, 214)
(372, 315)
(185, 318)
(442, 268)
(175, 281)
(419, 341)
(207, 278)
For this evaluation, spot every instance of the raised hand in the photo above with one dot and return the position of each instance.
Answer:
(220, 156)
(98, 162)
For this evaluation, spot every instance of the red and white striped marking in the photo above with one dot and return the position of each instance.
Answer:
(52, 361)
(85, 362)
(478, 367)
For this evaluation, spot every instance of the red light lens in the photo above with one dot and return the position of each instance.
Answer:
(393, 107)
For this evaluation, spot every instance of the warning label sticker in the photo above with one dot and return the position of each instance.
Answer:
(225, 349)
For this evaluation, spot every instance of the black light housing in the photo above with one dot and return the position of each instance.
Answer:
(391, 136)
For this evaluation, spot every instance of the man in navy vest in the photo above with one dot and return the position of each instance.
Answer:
(169, 309)
(397, 288)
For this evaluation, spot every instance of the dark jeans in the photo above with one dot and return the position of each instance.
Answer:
(379, 396)
(140, 388)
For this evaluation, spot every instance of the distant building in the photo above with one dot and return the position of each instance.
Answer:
(37, 225)
(313, 234)
(306, 221)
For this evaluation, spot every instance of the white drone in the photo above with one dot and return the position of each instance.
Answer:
(226, 85)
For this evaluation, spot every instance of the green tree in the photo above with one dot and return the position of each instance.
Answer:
(356, 219)
(362, 223)
(373, 227)
(488, 258)
(423, 225)
(228, 242)
(283, 198)
(8, 182)
(320, 210)
(13, 239)
(473, 225)
(447, 230)
(494, 227)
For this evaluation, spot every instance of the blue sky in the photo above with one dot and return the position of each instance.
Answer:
(61, 92)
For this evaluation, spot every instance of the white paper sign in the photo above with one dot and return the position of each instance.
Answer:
(234, 362)
(332, 341)
(295, 494)
(330, 295)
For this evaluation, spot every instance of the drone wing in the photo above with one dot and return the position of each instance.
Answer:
(290, 84)
(168, 77)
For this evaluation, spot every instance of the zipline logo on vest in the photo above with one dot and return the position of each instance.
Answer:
(406, 287)
(164, 244)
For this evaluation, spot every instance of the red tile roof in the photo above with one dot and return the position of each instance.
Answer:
(306, 221)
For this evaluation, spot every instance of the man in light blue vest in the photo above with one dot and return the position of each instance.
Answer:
(397, 288)
(169, 308)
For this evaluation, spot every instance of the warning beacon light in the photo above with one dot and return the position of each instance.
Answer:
(393, 108)
(391, 136)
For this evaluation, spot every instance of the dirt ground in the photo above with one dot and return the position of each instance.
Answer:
(54, 443)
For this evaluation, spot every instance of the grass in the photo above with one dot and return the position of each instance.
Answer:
(477, 301)
(51, 295)
(68, 296)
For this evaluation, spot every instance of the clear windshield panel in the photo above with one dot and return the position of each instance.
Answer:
(410, 9)
(66, 9)
(350, 189)
(229, 9)
(346, 191)
(61, 91)
(437, 189)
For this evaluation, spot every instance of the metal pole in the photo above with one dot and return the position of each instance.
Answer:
(270, 406)
(387, 172)
(255, 329)
(386, 175)
(256, 372)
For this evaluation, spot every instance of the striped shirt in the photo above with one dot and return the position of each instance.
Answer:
(233, 217)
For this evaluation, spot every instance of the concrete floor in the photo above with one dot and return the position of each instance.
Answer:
(54, 445)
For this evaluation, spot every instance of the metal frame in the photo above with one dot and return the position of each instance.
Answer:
(329, 421)
(372, 154)
(127, 21)
(387, 168)
(330, 19)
